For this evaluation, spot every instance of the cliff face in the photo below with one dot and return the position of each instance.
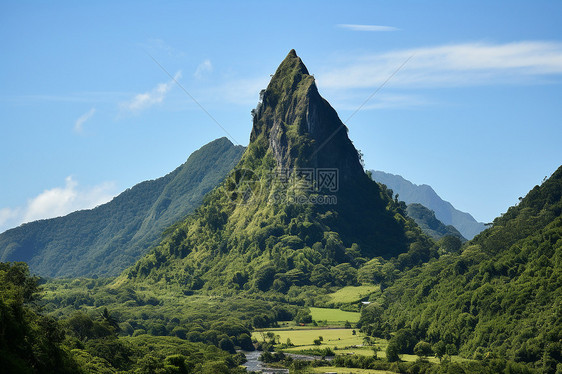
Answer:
(266, 222)
(299, 127)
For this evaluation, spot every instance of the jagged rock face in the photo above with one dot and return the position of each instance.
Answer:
(299, 127)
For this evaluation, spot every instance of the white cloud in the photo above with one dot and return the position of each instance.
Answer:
(449, 65)
(349, 79)
(56, 202)
(204, 68)
(8, 215)
(145, 100)
(368, 27)
(79, 124)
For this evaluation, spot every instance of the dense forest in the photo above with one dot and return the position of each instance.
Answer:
(500, 296)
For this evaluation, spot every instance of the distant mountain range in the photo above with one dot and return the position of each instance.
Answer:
(425, 195)
(105, 240)
(426, 220)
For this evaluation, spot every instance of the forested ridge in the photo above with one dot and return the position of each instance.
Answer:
(500, 297)
(105, 240)
(426, 220)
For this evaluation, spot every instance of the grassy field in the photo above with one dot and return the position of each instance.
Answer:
(334, 315)
(352, 294)
(305, 338)
(341, 341)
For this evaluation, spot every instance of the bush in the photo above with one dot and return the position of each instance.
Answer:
(422, 349)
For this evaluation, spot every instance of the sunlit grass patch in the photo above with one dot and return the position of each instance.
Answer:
(352, 294)
(334, 315)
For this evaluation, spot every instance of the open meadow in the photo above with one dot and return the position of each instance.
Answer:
(334, 316)
(351, 294)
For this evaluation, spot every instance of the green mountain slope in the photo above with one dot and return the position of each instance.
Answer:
(426, 220)
(444, 211)
(501, 297)
(277, 221)
(107, 239)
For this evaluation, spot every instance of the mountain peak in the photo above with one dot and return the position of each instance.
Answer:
(298, 127)
(293, 64)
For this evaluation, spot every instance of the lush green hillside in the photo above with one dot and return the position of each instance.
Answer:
(268, 227)
(107, 239)
(426, 220)
(444, 211)
(501, 297)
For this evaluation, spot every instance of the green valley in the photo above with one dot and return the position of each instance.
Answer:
(293, 250)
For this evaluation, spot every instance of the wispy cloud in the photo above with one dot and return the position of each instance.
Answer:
(72, 97)
(349, 79)
(145, 100)
(240, 91)
(368, 27)
(158, 46)
(350, 100)
(9, 218)
(57, 202)
(450, 65)
(204, 68)
(79, 124)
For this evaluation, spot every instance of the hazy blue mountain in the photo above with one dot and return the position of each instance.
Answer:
(425, 195)
(425, 218)
(107, 239)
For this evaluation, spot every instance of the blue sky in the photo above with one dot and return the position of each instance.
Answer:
(85, 111)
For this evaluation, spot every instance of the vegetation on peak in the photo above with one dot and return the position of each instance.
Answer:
(296, 127)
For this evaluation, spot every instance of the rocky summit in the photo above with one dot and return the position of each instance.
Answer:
(298, 203)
